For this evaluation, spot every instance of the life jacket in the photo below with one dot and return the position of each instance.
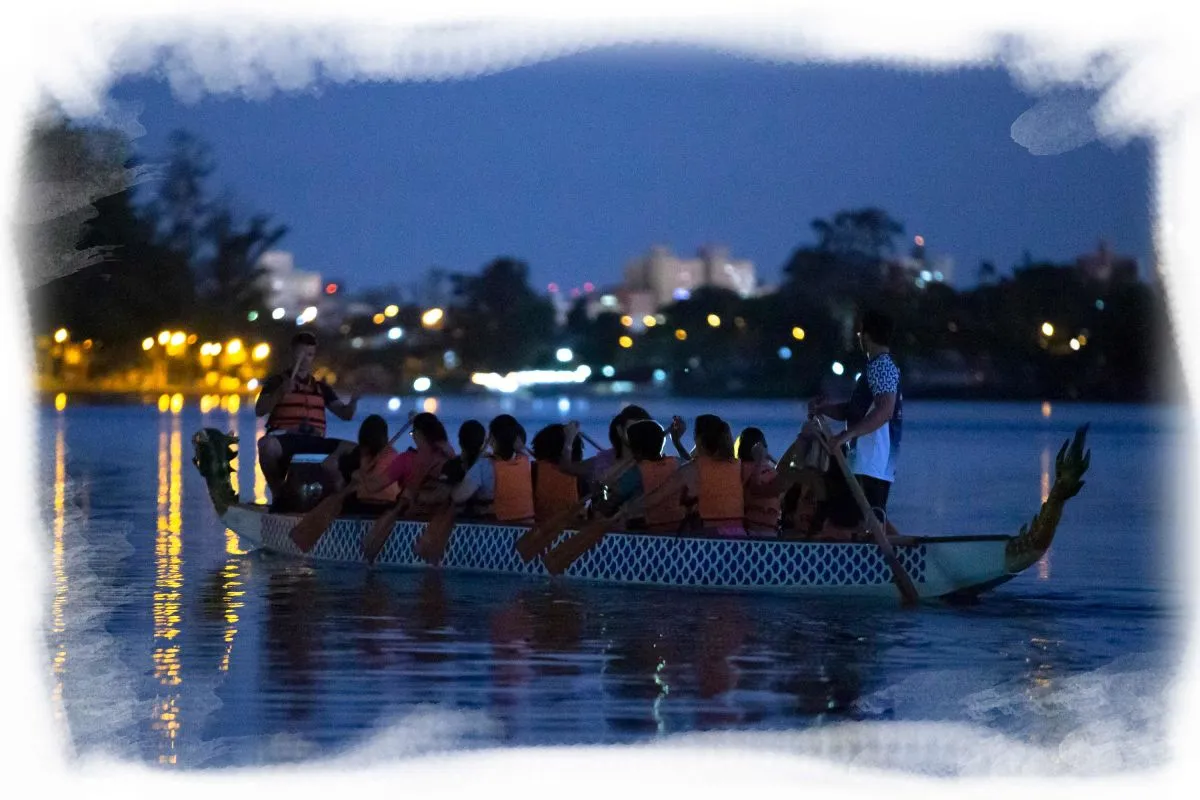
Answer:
(301, 411)
(762, 513)
(428, 470)
(719, 485)
(376, 470)
(667, 513)
(513, 500)
(554, 491)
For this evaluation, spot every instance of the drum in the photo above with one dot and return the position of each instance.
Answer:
(304, 485)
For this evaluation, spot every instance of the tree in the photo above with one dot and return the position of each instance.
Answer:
(506, 326)
(232, 278)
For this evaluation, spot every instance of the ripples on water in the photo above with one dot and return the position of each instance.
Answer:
(170, 645)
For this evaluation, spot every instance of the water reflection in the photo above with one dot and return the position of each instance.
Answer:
(168, 585)
(1043, 564)
(58, 624)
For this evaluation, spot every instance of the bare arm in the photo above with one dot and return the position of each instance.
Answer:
(881, 411)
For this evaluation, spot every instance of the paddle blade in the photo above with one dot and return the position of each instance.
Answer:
(379, 534)
(431, 544)
(531, 543)
(312, 525)
(560, 559)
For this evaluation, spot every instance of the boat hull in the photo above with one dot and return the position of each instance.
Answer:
(938, 568)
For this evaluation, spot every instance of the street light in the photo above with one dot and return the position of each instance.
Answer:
(260, 351)
(177, 338)
(625, 341)
(148, 342)
(714, 321)
(798, 333)
(681, 334)
(1047, 329)
(649, 321)
(564, 354)
(391, 310)
(234, 347)
(432, 317)
(164, 337)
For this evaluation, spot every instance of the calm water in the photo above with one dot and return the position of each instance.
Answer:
(169, 645)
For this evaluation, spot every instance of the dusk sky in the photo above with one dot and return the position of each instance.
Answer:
(580, 164)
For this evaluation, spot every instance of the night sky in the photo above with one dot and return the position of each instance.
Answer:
(578, 165)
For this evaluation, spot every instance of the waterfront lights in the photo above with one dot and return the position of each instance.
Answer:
(148, 342)
(627, 321)
(234, 347)
(626, 342)
(278, 313)
(176, 403)
(649, 321)
(164, 337)
(177, 338)
(394, 404)
(432, 317)
(164, 403)
(1047, 329)
(660, 375)
(307, 315)
(837, 368)
(1074, 344)
(60, 401)
(422, 384)
(798, 333)
(681, 334)
(260, 351)
(391, 310)
(252, 384)
(564, 355)
(378, 319)
(607, 371)
(785, 352)
(515, 380)
(714, 321)
(252, 316)
(395, 333)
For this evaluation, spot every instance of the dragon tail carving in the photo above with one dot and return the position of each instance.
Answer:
(1034, 540)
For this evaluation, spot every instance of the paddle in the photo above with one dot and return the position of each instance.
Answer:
(431, 544)
(312, 526)
(542, 534)
(382, 528)
(908, 591)
(590, 440)
(560, 559)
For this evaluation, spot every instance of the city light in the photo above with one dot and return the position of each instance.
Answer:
(234, 347)
(307, 315)
(837, 368)
(391, 310)
(164, 403)
(552, 287)
(378, 319)
(252, 384)
(394, 404)
(515, 380)
(429, 405)
(660, 375)
(432, 317)
(714, 321)
(422, 384)
(609, 300)
(252, 316)
(1074, 344)
(177, 338)
(564, 405)
(147, 343)
(1099, 305)
(589, 287)
(798, 333)
(1047, 329)
(681, 334)
(356, 342)
(607, 371)
(164, 337)
(450, 359)
(395, 333)
(260, 351)
(681, 294)
(278, 313)
(627, 321)
(176, 403)
(649, 321)
(192, 339)
(1082, 339)
(564, 355)
(61, 335)
(331, 288)
(625, 342)
(919, 241)
(60, 401)
(785, 352)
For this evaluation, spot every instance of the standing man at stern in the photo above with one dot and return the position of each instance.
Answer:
(873, 417)
(295, 403)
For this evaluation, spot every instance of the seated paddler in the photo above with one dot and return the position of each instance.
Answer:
(295, 403)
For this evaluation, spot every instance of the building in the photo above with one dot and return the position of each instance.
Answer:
(1103, 266)
(286, 287)
(660, 277)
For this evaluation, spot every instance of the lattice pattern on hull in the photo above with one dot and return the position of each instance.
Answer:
(623, 558)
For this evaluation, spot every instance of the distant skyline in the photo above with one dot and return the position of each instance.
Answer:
(580, 164)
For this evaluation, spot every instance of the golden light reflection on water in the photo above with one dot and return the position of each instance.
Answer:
(231, 573)
(58, 564)
(168, 582)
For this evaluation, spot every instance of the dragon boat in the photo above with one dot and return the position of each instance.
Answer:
(951, 567)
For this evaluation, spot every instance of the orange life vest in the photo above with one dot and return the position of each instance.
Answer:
(376, 471)
(762, 512)
(513, 500)
(667, 513)
(554, 491)
(301, 411)
(719, 486)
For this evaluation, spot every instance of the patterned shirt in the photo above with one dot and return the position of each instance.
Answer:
(874, 455)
